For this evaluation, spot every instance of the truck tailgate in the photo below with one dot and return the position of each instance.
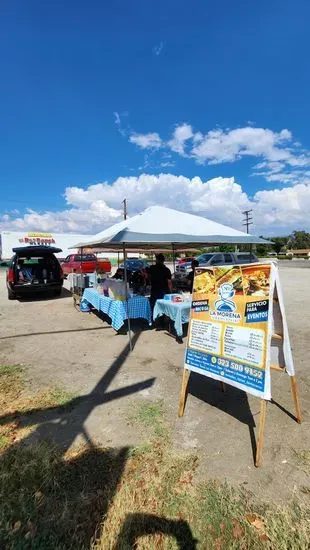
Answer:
(87, 266)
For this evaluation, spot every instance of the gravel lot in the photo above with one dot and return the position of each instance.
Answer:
(82, 354)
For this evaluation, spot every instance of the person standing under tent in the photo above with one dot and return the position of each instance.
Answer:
(190, 276)
(160, 276)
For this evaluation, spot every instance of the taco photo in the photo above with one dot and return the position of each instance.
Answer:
(256, 280)
(204, 283)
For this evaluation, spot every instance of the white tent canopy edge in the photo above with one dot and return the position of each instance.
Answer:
(164, 227)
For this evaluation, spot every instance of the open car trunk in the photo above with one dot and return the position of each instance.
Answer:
(42, 270)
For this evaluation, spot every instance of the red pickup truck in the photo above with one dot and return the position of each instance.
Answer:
(85, 263)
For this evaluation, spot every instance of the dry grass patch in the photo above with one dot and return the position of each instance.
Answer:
(16, 403)
(159, 505)
(120, 499)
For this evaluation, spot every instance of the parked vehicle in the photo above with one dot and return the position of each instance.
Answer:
(34, 270)
(210, 259)
(85, 263)
(134, 266)
(186, 260)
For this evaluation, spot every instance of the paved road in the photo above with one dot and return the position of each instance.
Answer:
(301, 264)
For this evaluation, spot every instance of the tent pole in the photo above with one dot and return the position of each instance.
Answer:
(173, 258)
(126, 296)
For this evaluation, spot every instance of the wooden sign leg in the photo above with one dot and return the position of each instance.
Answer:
(186, 375)
(261, 430)
(296, 398)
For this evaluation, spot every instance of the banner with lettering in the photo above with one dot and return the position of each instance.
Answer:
(231, 325)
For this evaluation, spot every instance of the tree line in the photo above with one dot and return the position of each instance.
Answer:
(298, 240)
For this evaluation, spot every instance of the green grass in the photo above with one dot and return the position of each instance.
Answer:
(147, 498)
(150, 415)
(4, 441)
(161, 505)
(11, 370)
(54, 397)
(16, 403)
(11, 383)
(61, 397)
(303, 457)
(50, 503)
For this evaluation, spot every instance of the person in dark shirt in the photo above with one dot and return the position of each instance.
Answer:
(160, 276)
(190, 276)
(118, 275)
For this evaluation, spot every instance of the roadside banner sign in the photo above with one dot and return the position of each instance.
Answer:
(238, 329)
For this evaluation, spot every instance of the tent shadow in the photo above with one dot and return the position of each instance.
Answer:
(136, 325)
(63, 423)
(60, 500)
(232, 401)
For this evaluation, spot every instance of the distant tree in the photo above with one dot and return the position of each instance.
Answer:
(226, 248)
(279, 243)
(262, 249)
(299, 240)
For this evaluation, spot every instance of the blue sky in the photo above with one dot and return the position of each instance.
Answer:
(91, 92)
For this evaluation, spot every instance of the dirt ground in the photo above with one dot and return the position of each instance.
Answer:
(80, 353)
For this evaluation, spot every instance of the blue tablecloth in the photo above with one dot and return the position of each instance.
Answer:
(138, 307)
(179, 312)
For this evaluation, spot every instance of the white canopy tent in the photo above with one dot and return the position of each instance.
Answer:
(164, 228)
(160, 227)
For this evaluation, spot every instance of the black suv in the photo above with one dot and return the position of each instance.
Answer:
(34, 270)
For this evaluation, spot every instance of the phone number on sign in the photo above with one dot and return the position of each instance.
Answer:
(240, 368)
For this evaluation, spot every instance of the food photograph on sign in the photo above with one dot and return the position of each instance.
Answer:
(256, 280)
(228, 329)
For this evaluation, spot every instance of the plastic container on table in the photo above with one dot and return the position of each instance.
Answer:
(173, 297)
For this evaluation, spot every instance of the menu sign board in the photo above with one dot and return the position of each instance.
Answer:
(231, 325)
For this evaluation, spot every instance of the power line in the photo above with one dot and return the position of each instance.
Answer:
(248, 219)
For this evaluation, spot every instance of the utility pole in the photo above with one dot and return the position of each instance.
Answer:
(248, 219)
(125, 208)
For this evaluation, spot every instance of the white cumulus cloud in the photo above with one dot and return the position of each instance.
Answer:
(281, 157)
(92, 209)
(229, 145)
(146, 141)
(181, 134)
(285, 208)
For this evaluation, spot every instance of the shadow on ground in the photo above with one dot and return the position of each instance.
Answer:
(56, 504)
(42, 296)
(231, 401)
(58, 501)
(13, 336)
(51, 503)
(138, 525)
(63, 424)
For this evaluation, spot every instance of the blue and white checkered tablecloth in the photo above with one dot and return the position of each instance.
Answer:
(138, 307)
(179, 312)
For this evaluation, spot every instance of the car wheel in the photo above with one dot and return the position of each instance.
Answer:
(11, 295)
